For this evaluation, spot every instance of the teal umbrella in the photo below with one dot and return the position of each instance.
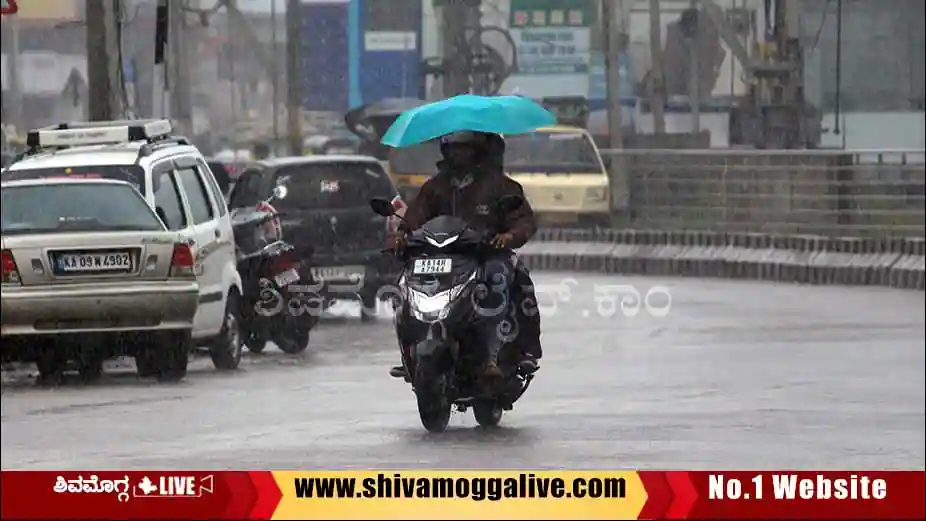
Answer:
(496, 114)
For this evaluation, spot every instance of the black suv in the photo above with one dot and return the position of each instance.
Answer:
(327, 211)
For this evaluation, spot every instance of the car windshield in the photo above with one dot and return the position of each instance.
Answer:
(132, 174)
(75, 207)
(551, 153)
(419, 159)
(333, 185)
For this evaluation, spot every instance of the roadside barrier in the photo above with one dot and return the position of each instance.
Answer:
(803, 259)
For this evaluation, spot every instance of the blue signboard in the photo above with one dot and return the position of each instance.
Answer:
(390, 43)
(325, 50)
(360, 51)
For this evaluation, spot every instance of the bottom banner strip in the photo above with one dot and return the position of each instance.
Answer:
(412, 494)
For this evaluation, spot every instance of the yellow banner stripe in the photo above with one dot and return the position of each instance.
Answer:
(410, 494)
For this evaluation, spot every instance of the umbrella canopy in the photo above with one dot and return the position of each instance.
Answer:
(495, 114)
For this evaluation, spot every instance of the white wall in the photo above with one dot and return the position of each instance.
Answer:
(496, 12)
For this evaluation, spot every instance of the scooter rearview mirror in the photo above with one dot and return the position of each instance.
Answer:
(382, 206)
(280, 192)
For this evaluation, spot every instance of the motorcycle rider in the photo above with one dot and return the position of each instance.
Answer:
(470, 179)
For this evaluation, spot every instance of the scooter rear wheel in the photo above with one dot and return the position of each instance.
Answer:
(488, 413)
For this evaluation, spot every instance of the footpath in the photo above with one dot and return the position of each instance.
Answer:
(805, 259)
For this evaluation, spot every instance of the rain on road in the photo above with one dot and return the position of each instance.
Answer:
(737, 375)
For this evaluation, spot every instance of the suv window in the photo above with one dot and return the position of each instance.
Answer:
(218, 195)
(70, 207)
(335, 185)
(132, 174)
(167, 201)
(200, 209)
(246, 192)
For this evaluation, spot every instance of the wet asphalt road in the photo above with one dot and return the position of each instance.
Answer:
(737, 375)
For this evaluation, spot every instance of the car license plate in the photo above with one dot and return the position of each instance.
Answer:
(287, 277)
(94, 262)
(432, 266)
(338, 273)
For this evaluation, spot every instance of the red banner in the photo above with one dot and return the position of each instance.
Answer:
(785, 495)
(138, 495)
(182, 495)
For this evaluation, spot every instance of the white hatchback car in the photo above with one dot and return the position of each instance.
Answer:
(175, 180)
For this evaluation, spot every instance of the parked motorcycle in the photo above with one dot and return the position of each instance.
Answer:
(271, 271)
(438, 322)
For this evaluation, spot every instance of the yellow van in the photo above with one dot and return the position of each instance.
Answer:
(560, 168)
(563, 175)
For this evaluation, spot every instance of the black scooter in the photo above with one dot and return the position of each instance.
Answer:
(271, 270)
(438, 318)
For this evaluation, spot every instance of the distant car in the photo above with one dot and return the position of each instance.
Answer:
(91, 272)
(175, 180)
(226, 173)
(327, 211)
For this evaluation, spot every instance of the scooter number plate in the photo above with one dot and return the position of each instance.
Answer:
(287, 277)
(432, 266)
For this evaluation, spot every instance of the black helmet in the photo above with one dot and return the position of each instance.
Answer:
(464, 137)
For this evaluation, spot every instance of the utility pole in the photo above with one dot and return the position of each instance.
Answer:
(159, 70)
(275, 77)
(294, 77)
(657, 68)
(178, 63)
(612, 13)
(458, 17)
(99, 16)
(694, 72)
(12, 111)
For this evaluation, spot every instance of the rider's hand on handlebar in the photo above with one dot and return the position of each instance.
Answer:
(502, 240)
(396, 241)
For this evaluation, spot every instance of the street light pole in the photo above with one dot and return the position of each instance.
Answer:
(275, 77)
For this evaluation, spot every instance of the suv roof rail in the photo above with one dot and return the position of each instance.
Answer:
(99, 133)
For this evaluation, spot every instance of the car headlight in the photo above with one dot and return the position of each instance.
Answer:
(596, 194)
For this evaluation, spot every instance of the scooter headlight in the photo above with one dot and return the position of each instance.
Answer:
(428, 308)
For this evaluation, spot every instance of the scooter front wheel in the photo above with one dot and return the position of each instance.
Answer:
(433, 407)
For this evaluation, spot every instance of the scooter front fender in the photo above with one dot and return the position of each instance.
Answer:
(430, 348)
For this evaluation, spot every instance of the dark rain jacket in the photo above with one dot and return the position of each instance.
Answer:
(473, 202)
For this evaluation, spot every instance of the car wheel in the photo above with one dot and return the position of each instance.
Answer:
(173, 355)
(90, 365)
(227, 347)
(146, 364)
(51, 367)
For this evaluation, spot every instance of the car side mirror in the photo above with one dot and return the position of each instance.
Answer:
(382, 206)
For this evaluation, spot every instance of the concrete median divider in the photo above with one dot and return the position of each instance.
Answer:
(803, 259)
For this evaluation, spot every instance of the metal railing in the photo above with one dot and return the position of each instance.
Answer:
(826, 192)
